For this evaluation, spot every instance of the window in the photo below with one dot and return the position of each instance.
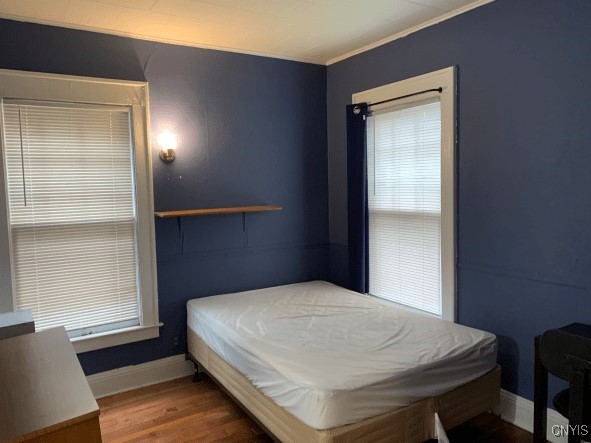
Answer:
(411, 194)
(79, 206)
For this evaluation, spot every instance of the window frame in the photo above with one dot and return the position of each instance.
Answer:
(36, 86)
(444, 78)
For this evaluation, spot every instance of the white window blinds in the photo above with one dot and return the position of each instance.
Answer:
(404, 187)
(72, 216)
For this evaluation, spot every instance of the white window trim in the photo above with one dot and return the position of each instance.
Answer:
(444, 78)
(64, 88)
(115, 338)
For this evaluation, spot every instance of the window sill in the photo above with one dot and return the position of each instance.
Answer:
(408, 308)
(118, 337)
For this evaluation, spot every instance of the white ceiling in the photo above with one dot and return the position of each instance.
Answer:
(318, 31)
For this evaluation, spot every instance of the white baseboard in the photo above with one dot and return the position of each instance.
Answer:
(520, 412)
(137, 376)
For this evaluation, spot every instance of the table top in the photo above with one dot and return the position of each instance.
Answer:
(42, 384)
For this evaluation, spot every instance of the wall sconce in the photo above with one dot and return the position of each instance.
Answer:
(167, 142)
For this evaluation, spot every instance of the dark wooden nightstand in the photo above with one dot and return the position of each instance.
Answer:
(565, 353)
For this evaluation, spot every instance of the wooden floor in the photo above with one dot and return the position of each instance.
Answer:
(180, 411)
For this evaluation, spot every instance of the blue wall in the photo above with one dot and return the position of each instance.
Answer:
(251, 130)
(524, 156)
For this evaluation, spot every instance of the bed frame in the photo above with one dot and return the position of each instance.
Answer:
(410, 424)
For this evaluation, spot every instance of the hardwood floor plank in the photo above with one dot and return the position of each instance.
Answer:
(183, 411)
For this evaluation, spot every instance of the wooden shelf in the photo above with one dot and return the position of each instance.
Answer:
(213, 211)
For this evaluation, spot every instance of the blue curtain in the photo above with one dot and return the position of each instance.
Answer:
(357, 197)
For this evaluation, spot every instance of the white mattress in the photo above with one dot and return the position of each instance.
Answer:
(331, 356)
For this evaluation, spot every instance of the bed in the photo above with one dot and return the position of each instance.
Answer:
(315, 362)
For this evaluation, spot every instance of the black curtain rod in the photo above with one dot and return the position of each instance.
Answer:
(357, 109)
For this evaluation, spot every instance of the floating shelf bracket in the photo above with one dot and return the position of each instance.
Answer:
(213, 211)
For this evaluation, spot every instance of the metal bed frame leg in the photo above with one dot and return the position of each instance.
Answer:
(197, 375)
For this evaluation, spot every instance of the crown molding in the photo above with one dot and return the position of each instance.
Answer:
(409, 31)
(152, 38)
(173, 41)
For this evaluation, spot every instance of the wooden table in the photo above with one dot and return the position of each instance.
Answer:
(44, 395)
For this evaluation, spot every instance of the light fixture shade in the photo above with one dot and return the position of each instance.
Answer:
(167, 142)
